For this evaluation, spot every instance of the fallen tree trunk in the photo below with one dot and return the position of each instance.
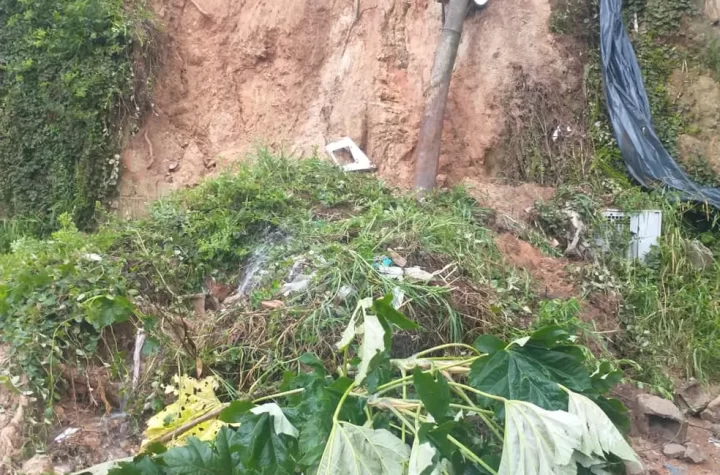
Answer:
(428, 147)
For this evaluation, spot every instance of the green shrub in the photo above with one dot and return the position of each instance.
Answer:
(68, 92)
(61, 297)
(56, 295)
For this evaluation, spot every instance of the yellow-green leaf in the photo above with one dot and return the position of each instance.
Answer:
(194, 399)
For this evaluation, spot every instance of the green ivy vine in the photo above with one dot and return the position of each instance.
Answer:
(70, 86)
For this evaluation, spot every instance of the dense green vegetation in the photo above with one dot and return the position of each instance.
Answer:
(73, 80)
(60, 297)
(522, 407)
(671, 322)
(669, 316)
(317, 253)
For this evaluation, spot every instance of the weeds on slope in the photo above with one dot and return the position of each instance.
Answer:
(77, 299)
(670, 317)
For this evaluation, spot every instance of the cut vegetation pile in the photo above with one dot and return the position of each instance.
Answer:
(302, 240)
(245, 277)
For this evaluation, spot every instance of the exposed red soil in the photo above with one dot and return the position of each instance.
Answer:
(300, 74)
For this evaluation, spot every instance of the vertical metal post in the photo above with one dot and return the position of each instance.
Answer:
(428, 147)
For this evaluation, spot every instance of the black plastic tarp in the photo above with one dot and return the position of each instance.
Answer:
(646, 158)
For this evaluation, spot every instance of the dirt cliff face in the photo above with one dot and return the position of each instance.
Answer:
(296, 75)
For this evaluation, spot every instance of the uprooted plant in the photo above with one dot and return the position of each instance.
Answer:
(525, 407)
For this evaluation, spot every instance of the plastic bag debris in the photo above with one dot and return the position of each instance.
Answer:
(299, 284)
(645, 157)
(398, 298)
(390, 271)
(66, 433)
(417, 273)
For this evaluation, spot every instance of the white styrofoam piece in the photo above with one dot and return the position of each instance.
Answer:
(361, 162)
(644, 227)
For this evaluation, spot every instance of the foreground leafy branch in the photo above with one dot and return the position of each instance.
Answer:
(525, 407)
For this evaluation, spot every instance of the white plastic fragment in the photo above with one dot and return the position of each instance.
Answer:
(391, 271)
(360, 162)
(299, 284)
(66, 433)
(344, 292)
(398, 298)
(419, 274)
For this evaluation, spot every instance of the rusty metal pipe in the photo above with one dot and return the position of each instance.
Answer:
(428, 147)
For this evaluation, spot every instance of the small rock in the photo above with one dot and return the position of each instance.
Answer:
(173, 166)
(660, 419)
(64, 469)
(674, 451)
(38, 465)
(693, 398)
(712, 412)
(694, 453)
(634, 468)
(715, 428)
(657, 406)
(699, 256)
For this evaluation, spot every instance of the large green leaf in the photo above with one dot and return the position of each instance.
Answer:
(348, 335)
(235, 411)
(434, 392)
(281, 424)
(314, 362)
(373, 342)
(384, 308)
(265, 451)
(615, 410)
(438, 436)
(489, 344)
(550, 336)
(227, 448)
(424, 459)
(313, 415)
(600, 436)
(198, 457)
(114, 467)
(539, 442)
(355, 450)
(380, 371)
(530, 374)
(107, 310)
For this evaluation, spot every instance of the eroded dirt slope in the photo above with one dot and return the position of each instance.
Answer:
(237, 73)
